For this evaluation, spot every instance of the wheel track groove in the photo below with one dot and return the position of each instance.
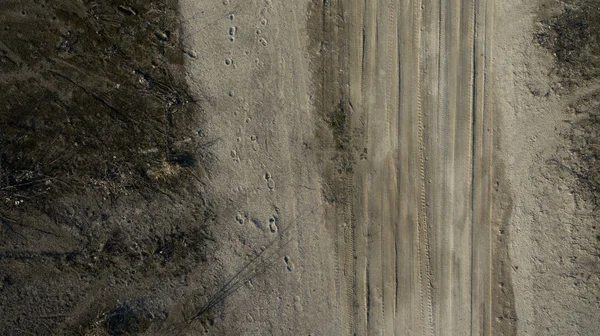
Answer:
(422, 225)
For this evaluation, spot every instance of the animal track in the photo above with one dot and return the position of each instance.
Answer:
(232, 31)
(298, 304)
(273, 224)
(253, 139)
(270, 182)
(289, 264)
(234, 156)
(264, 11)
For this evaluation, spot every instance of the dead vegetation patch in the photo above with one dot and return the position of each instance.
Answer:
(326, 30)
(102, 160)
(101, 102)
(573, 36)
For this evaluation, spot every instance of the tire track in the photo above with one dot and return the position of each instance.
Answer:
(419, 206)
(488, 12)
(422, 222)
(361, 199)
(351, 255)
(441, 136)
(389, 259)
(348, 304)
(440, 122)
(412, 295)
(364, 279)
(448, 112)
(471, 145)
(481, 235)
(462, 179)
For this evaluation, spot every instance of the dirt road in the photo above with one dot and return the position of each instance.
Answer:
(306, 167)
(411, 230)
(421, 199)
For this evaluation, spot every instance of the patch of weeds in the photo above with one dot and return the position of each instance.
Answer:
(119, 119)
(97, 119)
(574, 37)
(339, 122)
(585, 148)
(174, 253)
(325, 27)
(178, 251)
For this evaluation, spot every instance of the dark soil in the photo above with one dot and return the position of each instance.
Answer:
(574, 37)
(102, 216)
(584, 162)
(326, 30)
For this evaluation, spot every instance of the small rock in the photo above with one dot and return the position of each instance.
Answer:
(191, 53)
(162, 35)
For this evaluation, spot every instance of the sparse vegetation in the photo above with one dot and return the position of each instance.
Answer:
(100, 146)
(339, 122)
(574, 37)
(584, 161)
(116, 117)
(325, 28)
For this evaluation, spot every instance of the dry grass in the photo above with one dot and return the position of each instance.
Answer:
(95, 106)
(83, 117)
(574, 37)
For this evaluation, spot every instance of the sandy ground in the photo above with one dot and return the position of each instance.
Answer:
(268, 167)
(252, 63)
(552, 227)
(439, 200)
